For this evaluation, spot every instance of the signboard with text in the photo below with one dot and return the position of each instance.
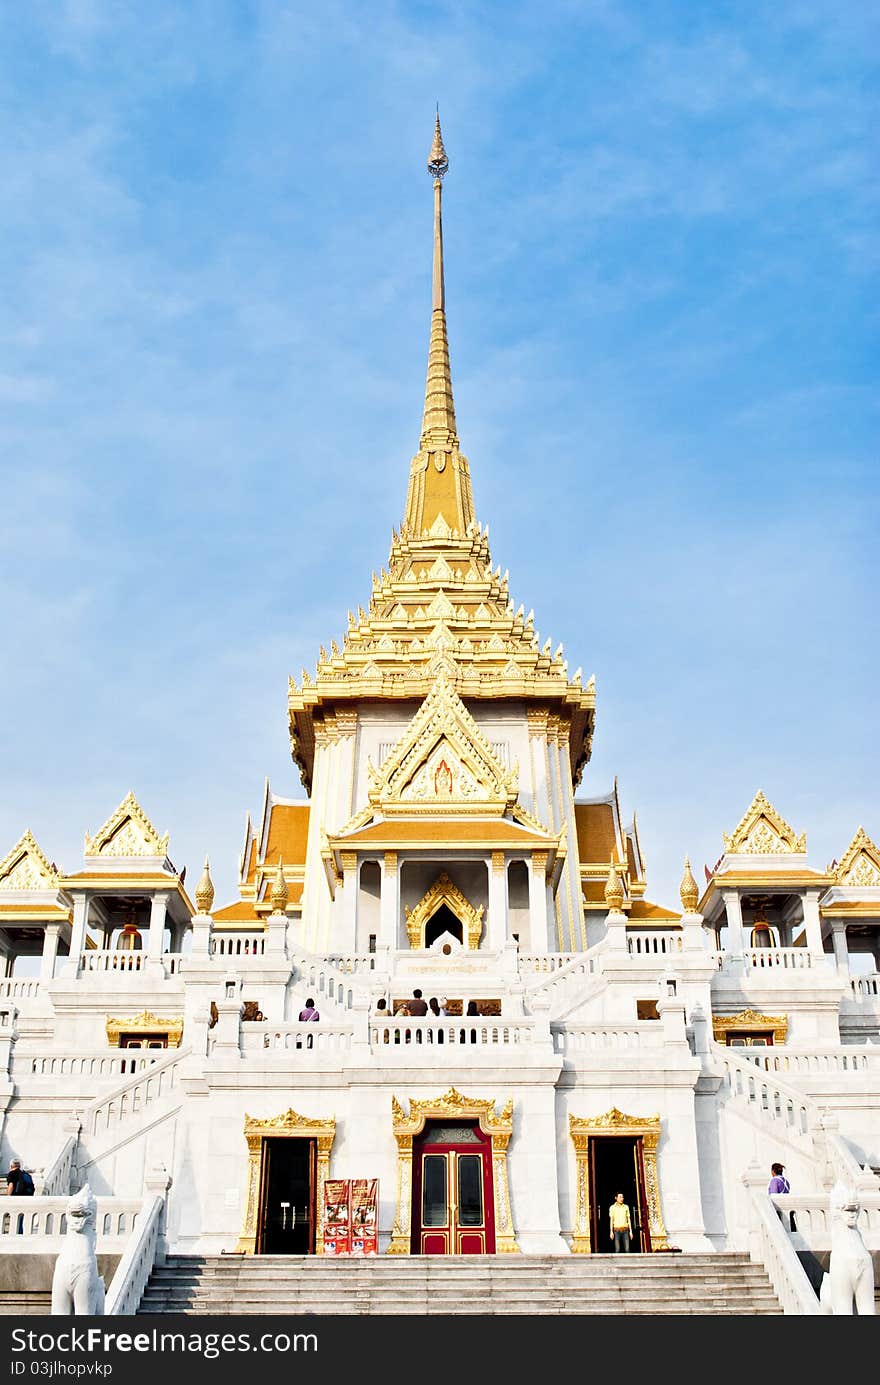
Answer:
(351, 1216)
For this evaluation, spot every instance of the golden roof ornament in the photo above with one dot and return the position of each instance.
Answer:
(205, 891)
(279, 894)
(613, 889)
(688, 889)
(438, 163)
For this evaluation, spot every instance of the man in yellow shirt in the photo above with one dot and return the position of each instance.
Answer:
(621, 1225)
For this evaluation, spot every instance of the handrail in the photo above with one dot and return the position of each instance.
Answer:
(134, 1269)
(771, 1247)
(55, 1181)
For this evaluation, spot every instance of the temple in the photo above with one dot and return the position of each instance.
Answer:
(584, 1039)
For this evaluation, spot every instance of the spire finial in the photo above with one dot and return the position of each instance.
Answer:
(279, 893)
(438, 164)
(613, 889)
(205, 891)
(688, 889)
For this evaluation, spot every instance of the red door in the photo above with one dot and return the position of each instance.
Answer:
(453, 1206)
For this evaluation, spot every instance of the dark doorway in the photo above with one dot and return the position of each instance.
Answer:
(444, 921)
(616, 1166)
(287, 1197)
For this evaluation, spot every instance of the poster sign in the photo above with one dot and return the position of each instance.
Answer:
(364, 1216)
(351, 1216)
(337, 1216)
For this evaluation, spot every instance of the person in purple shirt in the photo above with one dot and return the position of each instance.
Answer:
(780, 1184)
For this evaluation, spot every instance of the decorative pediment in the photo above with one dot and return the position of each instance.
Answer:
(128, 832)
(763, 832)
(444, 891)
(26, 868)
(443, 760)
(145, 1022)
(750, 1022)
(860, 866)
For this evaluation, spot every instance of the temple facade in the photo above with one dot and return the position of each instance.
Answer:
(585, 1040)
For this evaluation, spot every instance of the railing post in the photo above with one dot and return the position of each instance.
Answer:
(157, 1181)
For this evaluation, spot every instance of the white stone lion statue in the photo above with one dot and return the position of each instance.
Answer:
(76, 1285)
(849, 1285)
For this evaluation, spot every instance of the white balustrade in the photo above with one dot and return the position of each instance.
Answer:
(605, 1038)
(123, 1063)
(786, 958)
(297, 1038)
(865, 987)
(542, 963)
(771, 1247)
(355, 964)
(133, 1098)
(813, 1218)
(239, 946)
(839, 1061)
(19, 988)
(653, 942)
(39, 1224)
(766, 1099)
(121, 963)
(55, 1180)
(134, 1269)
(480, 1030)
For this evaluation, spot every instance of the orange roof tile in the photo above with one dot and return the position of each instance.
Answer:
(595, 831)
(241, 910)
(288, 833)
(644, 911)
(495, 832)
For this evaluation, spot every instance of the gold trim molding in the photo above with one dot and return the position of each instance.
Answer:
(289, 1123)
(147, 1022)
(752, 1022)
(452, 1105)
(615, 1122)
(444, 891)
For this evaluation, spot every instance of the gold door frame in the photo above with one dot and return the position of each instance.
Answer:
(290, 1124)
(750, 1022)
(444, 891)
(452, 1106)
(614, 1122)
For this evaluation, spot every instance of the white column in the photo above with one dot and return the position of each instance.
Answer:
(497, 930)
(350, 892)
(158, 906)
(77, 933)
(838, 937)
(538, 901)
(50, 951)
(389, 903)
(733, 909)
(812, 922)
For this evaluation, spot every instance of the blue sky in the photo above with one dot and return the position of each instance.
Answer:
(662, 249)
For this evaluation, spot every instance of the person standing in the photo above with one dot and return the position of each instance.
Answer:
(18, 1183)
(417, 1006)
(621, 1224)
(780, 1184)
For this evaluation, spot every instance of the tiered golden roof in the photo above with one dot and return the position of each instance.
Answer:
(440, 604)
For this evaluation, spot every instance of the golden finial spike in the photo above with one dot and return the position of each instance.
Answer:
(279, 895)
(205, 891)
(438, 164)
(613, 889)
(688, 889)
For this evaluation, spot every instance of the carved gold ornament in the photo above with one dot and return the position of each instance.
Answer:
(860, 865)
(452, 1105)
(763, 832)
(147, 1022)
(442, 758)
(279, 894)
(205, 891)
(749, 1022)
(26, 868)
(444, 891)
(127, 832)
(288, 1123)
(688, 889)
(614, 1122)
(613, 889)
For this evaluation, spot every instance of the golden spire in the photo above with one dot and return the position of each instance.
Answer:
(279, 894)
(613, 889)
(205, 891)
(440, 485)
(688, 889)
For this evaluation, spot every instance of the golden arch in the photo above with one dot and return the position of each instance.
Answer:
(498, 1125)
(614, 1122)
(300, 1127)
(443, 891)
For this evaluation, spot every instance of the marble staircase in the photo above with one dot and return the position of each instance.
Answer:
(712, 1284)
